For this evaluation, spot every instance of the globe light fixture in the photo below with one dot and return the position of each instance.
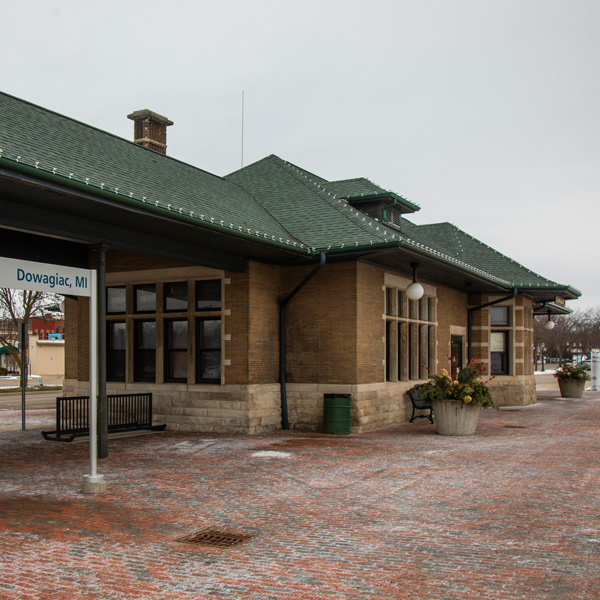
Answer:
(415, 290)
(549, 324)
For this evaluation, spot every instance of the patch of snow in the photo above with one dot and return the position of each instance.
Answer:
(271, 454)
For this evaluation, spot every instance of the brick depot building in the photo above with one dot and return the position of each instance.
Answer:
(240, 301)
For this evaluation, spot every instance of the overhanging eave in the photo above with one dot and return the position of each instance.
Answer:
(45, 208)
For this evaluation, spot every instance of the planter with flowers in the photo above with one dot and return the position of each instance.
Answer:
(458, 401)
(571, 380)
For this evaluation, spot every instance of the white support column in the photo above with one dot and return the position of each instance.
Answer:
(93, 483)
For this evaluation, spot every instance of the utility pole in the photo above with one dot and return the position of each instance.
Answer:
(23, 346)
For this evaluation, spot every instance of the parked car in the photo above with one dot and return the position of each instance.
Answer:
(585, 364)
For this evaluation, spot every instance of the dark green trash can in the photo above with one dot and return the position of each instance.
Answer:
(337, 413)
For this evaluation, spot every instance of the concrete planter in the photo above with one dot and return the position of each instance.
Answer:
(455, 418)
(571, 388)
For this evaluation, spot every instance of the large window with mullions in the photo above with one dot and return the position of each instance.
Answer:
(165, 332)
(410, 336)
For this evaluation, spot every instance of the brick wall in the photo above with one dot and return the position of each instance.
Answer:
(72, 317)
(77, 340)
(321, 325)
(452, 320)
(265, 291)
(370, 325)
(236, 345)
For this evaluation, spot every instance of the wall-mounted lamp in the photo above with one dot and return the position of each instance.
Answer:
(549, 324)
(415, 290)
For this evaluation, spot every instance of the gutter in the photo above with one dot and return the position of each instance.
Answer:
(380, 195)
(282, 355)
(470, 319)
(416, 248)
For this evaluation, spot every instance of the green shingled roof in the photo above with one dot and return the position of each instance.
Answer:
(463, 247)
(271, 201)
(71, 151)
(308, 209)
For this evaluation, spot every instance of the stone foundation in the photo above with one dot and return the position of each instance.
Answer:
(254, 409)
(248, 409)
(514, 391)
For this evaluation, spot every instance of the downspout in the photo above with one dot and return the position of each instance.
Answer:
(470, 319)
(282, 322)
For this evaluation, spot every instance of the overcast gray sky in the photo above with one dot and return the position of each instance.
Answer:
(486, 113)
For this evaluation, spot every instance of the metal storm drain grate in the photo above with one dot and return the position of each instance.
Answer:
(215, 538)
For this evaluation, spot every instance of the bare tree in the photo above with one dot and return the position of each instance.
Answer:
(588, 330)
(16, 306)
(575, 333)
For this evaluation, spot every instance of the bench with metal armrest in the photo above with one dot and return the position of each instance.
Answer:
(420, 404)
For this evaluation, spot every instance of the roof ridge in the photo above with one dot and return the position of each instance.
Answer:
(341, 205)
(253, 164)
(272, 216)
(501, 253)
(456, 230)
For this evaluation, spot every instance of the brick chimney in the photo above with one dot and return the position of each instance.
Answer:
(150, 129)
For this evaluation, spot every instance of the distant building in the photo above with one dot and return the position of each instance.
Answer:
(50, 326)
(46, 356)
(46, 345)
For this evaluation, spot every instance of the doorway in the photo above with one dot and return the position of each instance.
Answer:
(456, 354)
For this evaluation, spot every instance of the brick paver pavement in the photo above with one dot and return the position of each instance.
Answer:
(513, 512)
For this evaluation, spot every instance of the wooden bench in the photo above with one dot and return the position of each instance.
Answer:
(420, 404)
(126, 412)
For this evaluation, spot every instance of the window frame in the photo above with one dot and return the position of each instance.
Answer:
(170, 352)
(197, 285)
(165, 298)
(110, 351)
(139, 311)
(504, 354)
(505, 327)
(201, 349)
(410, 335)
(139, 353)
(499, 323)
(113, 288)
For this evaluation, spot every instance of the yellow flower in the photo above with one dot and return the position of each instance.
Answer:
(455, 382)
(468, 399)
(444, 373)
(478, 380)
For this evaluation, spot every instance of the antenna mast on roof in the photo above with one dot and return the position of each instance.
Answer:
(242, 128)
